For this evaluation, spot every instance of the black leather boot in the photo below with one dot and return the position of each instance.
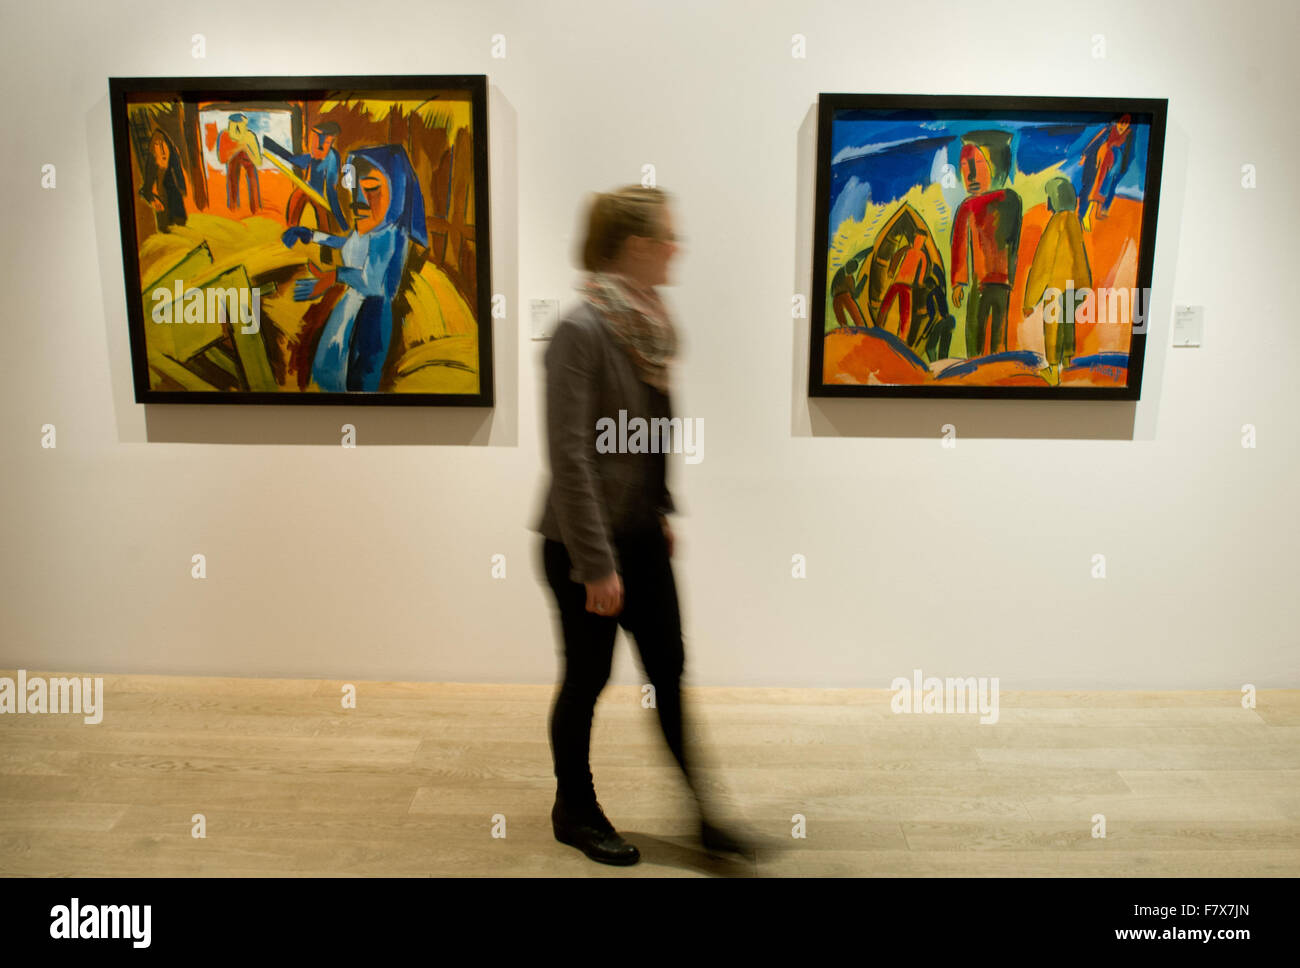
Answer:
(592, 833)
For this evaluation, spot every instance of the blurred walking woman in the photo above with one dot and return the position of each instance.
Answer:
(606, 538)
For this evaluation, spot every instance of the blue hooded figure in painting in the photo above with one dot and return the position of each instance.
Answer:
(388, 213)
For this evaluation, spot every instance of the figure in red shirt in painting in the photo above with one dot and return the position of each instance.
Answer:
(908, 267)
(985, 239)
(1105, 160)
(238, 148)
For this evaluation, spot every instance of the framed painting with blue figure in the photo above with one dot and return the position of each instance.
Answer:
(983, 246)
(306, 240)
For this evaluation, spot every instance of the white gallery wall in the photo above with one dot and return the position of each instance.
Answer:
(376, 562)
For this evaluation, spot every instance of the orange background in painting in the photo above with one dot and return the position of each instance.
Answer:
(275, 189)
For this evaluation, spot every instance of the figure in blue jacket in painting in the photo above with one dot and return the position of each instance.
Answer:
(321, 162)
(1105, 161)
(388, 213)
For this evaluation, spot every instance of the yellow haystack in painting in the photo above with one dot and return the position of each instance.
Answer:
(438, 332)
(253, 243)
(441, 338)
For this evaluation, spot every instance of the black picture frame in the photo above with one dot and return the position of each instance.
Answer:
(277, 90)
(1151, 111)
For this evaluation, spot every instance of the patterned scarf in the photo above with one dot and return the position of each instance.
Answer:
(639, 320)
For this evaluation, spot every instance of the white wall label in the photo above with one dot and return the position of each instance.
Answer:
(1189, 325)
(546, 314)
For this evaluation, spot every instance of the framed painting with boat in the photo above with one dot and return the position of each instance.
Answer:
(984, 247)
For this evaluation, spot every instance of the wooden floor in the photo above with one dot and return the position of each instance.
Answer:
(409, 782)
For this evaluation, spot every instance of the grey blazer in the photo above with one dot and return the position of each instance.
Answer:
(592, 496)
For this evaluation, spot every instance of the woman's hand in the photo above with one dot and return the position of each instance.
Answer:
(605, 597)
(307, 289)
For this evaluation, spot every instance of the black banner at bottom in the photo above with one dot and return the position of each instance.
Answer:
(144, 917)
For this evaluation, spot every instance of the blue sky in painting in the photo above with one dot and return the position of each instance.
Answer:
(879, 155)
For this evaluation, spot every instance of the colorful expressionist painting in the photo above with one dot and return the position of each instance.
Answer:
(987, 247)
(306, 240)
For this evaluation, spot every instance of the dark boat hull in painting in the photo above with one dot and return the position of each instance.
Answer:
(906, 263)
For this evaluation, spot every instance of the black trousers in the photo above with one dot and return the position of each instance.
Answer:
(987, 310)
(651, 616)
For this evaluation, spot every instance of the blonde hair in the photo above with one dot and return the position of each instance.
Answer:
(613, 216)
